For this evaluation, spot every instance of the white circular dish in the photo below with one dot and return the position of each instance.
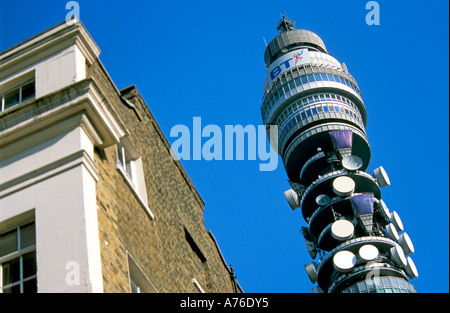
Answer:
(292, 198)
(405, 242)
(322, 200)
(411, 269)
(381, 177)
(392, 232)
(368, 252)
(343, 186)
(384, 209)
(311, 271)
(398, 256)
(342, 230)
(352, 162)
(344, 261)
(395, 219)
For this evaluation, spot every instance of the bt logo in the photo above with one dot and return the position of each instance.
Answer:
(284, 62)
(277, 70)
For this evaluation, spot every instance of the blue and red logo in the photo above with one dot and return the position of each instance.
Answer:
(298, 57)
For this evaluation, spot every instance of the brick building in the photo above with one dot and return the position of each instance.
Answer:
(90, 198)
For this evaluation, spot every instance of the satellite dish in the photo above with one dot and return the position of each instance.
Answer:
(398, 256)
(411, 269)
(342, 230)
(405, 242)
(344, 261)
(322, 200)
(381, 177)
(343, 186)
(394, 218)
(311, 271)
(311, 249)
(368, 252)
(384, 209)
(352, 162)
(392, 232)
(292, 199)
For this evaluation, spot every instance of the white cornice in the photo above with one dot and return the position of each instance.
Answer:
(100, 122)
(45, 44)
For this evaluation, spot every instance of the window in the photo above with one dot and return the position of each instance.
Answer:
(129, 164)
(194, 246)
(18, 260)
(139, 282)
(17, 95)
(135, 287)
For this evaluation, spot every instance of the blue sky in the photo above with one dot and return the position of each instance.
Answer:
(205, 58)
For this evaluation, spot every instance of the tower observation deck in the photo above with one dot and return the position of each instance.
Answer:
(357, 244)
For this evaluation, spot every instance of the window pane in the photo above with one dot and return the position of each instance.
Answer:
(362, 286)
(8, 243)
(120, 154)
(378, 282)
(310, 77)
(317, 77)
(13, 289)
(134, 286)
(11, 99)
(28, 91)
(27, 236)
(304, 80)
(30, 286)
(29, 264)
(11, 272)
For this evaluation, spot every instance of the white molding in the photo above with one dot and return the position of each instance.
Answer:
(197, 285)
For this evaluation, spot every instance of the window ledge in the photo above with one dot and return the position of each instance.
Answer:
(133, 189)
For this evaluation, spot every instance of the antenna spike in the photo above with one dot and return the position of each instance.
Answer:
(285, 24)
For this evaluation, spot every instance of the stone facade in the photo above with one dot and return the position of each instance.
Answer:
(88, 165)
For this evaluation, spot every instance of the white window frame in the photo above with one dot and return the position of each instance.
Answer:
(197, 285)
(18, 254)
(134, 175)
(138, 277)
(19, 88)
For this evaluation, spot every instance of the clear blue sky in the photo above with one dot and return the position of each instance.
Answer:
(205, 58)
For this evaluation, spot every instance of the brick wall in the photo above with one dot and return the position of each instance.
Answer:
(174, 247)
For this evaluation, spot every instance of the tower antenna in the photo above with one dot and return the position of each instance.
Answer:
(285, 24)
